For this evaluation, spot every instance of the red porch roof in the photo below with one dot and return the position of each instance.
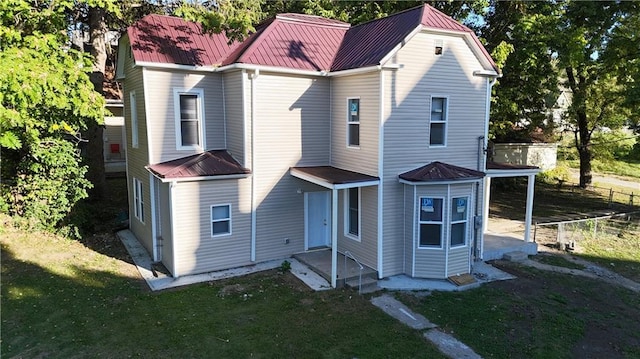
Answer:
(439, 172)
(206, 164)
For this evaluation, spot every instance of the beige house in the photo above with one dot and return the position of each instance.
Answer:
(311, 133)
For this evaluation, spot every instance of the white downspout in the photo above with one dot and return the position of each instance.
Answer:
(486, 191)
(254, 78)
(334, 237)
(154, 230)
(172, 198)
(381, 175)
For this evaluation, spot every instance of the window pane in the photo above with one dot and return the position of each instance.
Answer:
(353, 222)
(189, 135)
(436, 136)
(430, 234)
(458, 234)
(354, 110)
(220, 227)
(220, 212)
(353, 211)
(459, 209)
(354, 135)
(437, 104)
(188, 107)
(431, 209)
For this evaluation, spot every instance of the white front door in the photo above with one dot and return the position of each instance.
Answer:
(318, 219)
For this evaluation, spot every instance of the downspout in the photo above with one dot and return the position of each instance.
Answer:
(254, 78)
(172, 212)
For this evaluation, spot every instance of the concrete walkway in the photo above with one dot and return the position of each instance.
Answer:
(446, 343)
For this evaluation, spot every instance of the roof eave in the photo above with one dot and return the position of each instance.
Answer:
(451, 181)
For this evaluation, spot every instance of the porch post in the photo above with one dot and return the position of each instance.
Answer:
(485, 205)
(334, 237)
(531, 180)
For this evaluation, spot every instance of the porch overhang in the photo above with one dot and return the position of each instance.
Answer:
(495, 170)
(333, 178)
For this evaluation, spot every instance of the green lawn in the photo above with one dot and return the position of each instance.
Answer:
(67, 299)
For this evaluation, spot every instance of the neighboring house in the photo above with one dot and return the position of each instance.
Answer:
(311, 133)
(114, 137)
(541, 155)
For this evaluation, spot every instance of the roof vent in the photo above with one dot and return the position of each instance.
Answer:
(438, 47)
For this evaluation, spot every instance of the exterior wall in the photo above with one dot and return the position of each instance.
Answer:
(543, 155)
(407, 93)
(430, 262)
(410, 225)
(365, 158)
(196, 251)
(166, 232)
(291, 130)
(160, 101)
(366, 250)
(234, 111)
(458, 259)
(138, 157)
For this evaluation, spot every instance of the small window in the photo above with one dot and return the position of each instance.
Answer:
(353, 122)
(133, 106)
(189, 115)
(352, 213)
(430, 222)
(459, 220)
(439, 46)
(138, 200)
(220, 220)
(438, 126)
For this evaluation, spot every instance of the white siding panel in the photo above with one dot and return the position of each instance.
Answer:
(366, 88)
(195, 250)
(430, 263)
(410, 224)
(234, 113)
(291, 129)
(162, 111)
(407, 103)
(366, 251)
(166, 236)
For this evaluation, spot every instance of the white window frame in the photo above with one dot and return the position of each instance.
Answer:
(442, 223)
(133, 107)
(445, 121)
(347, 223)
(228, 219)
(138, 200)
(200, 105)
(464, 220)
(351, 123)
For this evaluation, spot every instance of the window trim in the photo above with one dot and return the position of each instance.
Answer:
(346, 214)
(229, 219)
(178, 120)
(138, 200)
(441, 223)
(445, 122)
(133, 108)
(465, 221)
(349, 123)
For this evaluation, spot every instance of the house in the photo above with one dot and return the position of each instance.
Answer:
(114, 138)
(311, 133)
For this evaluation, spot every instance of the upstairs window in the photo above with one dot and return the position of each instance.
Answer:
(353, 122)
(430, 222)
(438, 125)
(189, 115)
(138, 200)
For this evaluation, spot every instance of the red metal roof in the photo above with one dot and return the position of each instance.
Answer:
(206, 164)
(166, 39)
(294, 41)
(438, 171)
(335, 175)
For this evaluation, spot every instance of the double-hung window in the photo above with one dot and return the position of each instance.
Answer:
(459, 219)
(133, 106)
(353, 122)
(138, 200)
(189, 114)
(352, 213)
(220, 220)
(430, 222)
(438, 122)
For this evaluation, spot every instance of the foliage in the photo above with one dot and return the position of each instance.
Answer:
(559, 173)
(46, 99)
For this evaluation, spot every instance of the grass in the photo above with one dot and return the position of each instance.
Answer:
(557, 261)
(614, 167)
(538, 315)
(618, 252)
(70, 299)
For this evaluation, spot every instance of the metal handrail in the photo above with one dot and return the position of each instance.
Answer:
(348, 254)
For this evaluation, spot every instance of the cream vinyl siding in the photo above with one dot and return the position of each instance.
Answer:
(410, 225)
(196, 251)
(166, 238)
(138, 157)
(459, 256)
(408, 91)
(366, 250)
(430, 262)
(160, 87)
(233, 104)
(291, 129)
(363, 159)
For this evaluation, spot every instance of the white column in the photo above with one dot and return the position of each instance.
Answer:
(485, 205)
(529, 208)
(334, 237)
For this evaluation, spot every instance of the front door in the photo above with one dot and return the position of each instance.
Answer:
(318, 219)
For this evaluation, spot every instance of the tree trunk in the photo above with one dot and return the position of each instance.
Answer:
(584, 149)
(94, 134)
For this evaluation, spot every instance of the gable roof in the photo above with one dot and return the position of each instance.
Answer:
(292, 41)
(439, 172)
(205, 164)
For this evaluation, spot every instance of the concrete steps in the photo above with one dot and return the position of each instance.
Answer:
(369, 283)
(516, 256)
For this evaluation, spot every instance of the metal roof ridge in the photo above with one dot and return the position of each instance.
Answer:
(329, 23)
